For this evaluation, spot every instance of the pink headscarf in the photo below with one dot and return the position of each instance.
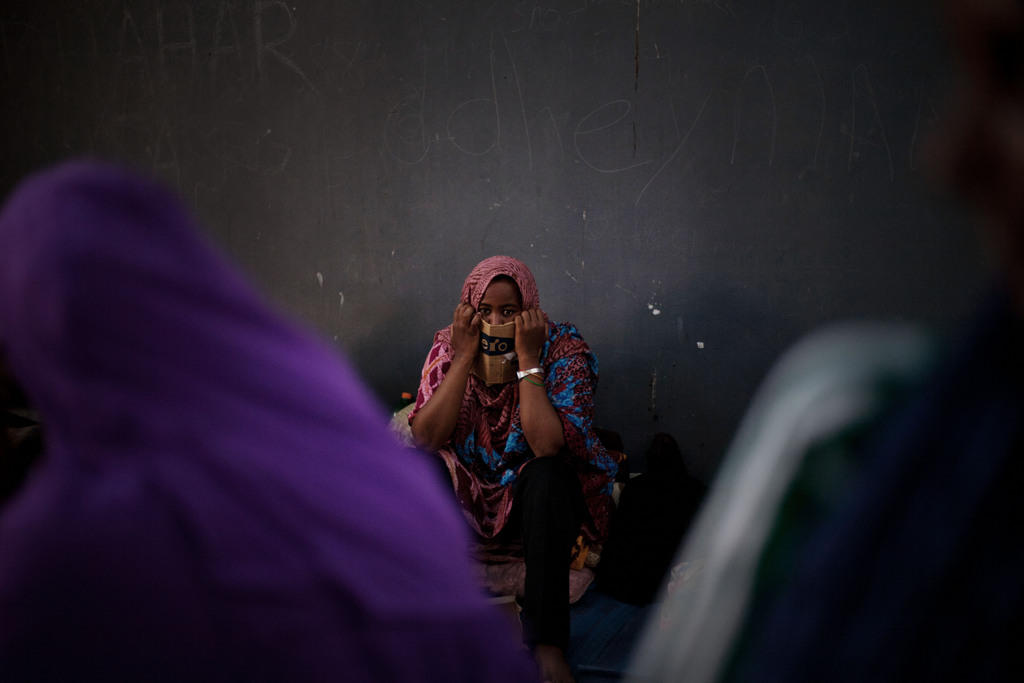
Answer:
(484, 272)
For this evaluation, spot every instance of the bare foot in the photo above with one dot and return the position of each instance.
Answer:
(553, 667)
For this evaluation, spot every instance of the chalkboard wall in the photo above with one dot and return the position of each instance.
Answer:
(695, 184)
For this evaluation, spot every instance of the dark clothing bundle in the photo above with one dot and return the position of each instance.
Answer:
(654, 512)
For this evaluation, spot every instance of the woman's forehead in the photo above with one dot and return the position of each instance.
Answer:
(500, 291)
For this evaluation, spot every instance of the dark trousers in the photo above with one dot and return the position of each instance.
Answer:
(547, 511)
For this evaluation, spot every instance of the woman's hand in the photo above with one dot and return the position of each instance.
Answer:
(542, 426)
(531, 333)
(435, 423)
(465, 333)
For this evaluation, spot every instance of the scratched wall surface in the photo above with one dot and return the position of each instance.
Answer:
(696, 183)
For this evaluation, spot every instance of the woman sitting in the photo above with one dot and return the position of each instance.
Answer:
(522, 454)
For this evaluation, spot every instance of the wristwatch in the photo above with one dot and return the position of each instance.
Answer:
(532, 371)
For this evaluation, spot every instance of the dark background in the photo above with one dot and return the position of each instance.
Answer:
(731, 173)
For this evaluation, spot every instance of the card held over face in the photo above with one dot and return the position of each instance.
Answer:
(497, 362)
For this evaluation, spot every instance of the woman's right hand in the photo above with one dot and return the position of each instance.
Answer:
(465, 333)
(434, 424)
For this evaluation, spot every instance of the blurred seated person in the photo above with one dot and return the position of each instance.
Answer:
(867, 522)
(219, 498)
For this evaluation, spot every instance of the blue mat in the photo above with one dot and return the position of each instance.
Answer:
(603, 632)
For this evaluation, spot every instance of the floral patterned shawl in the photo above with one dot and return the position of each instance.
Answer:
(488, 449)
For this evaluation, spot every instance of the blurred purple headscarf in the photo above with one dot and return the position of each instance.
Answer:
(219, 498)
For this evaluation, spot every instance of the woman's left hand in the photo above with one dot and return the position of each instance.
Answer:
(531, 333)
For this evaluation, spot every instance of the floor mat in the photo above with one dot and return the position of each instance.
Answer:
(603, 632)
